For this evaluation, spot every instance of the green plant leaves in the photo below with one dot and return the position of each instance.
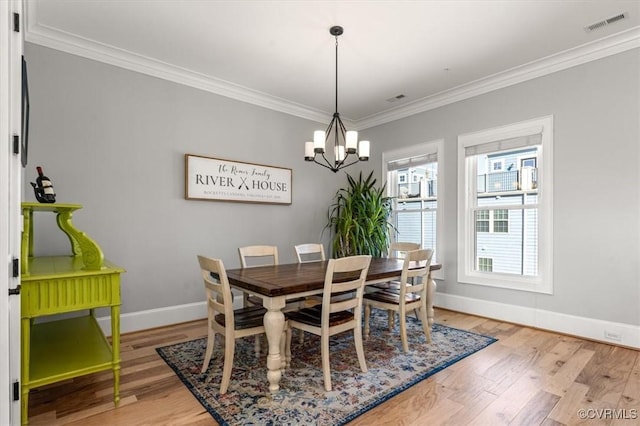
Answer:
(359, 218)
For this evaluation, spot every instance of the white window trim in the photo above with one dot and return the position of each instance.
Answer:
(543, 283)
(415, 151)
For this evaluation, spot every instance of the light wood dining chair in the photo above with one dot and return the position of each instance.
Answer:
(306, 253)
(255, 256)
(310, 252)
(252, 257)
(410, 296)
(333, 317)
(397, 250)
(223, 319)
(259, 255)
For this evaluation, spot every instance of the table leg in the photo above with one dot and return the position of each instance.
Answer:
(115, 352)
(431, 295)
(273, 325)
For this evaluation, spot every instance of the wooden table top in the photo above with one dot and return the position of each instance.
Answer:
(292, 278)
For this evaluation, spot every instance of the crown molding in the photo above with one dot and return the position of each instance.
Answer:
(607, 46)
(73, 44)
(70, 43)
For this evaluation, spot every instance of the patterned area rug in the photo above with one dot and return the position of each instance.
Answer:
(302, 399)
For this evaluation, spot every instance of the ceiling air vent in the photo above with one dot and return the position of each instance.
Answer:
(606, 22)
(396, 98)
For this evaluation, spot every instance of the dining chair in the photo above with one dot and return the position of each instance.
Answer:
(397, 250)
(306, 253)
(223, 319)
(258, 255)
(410, 296)
(334, 316)
(310, 252)
(255, 256)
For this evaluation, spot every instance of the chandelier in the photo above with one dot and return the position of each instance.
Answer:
(344, 142)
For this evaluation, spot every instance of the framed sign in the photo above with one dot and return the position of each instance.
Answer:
(216, 179)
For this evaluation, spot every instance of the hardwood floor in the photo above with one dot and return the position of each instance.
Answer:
(528, 377)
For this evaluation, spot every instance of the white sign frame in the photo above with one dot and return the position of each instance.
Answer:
(217, 179)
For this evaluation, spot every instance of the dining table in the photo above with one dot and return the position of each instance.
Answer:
(275, 284)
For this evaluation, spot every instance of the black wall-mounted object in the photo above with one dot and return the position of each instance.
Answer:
(25, 113)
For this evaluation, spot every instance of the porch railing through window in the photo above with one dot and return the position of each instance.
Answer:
(425, 188)
(525, 179)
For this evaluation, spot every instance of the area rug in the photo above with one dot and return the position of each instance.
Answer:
(302, 399)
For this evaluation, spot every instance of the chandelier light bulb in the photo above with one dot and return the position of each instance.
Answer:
(363, 152)
(308, 151)
(318, 141)
(352, 141)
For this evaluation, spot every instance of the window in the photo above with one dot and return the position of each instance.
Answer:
(500, 220)
(412, 179)
(528, 162)
(482, 221)
(485, 264)
(497, 165)
(505, 213)
(492, 220)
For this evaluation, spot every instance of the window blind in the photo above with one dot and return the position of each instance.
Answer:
(503, 145)
(417, 161)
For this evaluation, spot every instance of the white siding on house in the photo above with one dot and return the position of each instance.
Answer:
(415, 225)
(505, 248)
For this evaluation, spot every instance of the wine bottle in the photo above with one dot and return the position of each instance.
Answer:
(43, 188)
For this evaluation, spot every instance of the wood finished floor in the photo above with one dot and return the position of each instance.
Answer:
(528, 377)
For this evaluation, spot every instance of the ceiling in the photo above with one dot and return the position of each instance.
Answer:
(279, 54)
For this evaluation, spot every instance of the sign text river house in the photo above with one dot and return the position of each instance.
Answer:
(209, 178)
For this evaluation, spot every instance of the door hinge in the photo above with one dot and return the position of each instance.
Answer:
(16, 144)
(16, 274)
(16, 22)
(16, 267)
(16, 391)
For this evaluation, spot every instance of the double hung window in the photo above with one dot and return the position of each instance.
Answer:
(504, 203)
(413, 181)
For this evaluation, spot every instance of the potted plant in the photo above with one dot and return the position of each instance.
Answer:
(359, 218)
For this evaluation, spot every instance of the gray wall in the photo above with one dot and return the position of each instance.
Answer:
(114, 141)
(596, 109)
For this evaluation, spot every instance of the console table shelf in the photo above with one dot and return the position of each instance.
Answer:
(62, 349)
(71, 347)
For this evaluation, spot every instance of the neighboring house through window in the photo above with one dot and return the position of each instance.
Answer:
(505, 212)
(412, 179)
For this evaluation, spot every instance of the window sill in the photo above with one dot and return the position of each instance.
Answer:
(506, 281)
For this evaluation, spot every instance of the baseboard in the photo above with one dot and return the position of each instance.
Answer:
(604, 331)
(152, 318)
(589, 328)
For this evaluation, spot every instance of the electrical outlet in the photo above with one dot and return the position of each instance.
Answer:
(613, 336)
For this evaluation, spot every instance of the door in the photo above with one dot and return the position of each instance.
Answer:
(11, 45)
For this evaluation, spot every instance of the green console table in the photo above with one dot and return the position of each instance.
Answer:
(82, 281)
